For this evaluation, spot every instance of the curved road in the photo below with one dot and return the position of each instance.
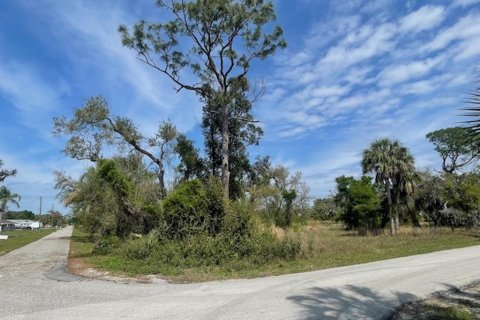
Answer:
(34, 285)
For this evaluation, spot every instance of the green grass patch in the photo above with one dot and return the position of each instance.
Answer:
(20, 238)
(322, 246)
(456, 304)
(447, 313)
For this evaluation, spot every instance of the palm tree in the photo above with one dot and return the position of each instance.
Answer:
(7, 197)
(4, 173)
(394, 168)
(404, 183)
(474, 113)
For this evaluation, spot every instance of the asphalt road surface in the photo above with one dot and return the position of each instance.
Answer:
(35, 285)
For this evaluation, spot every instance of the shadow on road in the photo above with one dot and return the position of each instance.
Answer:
(452, 304)
(350, 302)
(57, 238)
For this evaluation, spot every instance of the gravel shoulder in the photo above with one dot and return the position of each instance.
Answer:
(34, 285)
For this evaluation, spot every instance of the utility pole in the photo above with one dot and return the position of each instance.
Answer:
(40, 205)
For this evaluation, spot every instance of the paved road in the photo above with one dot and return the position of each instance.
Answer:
(34, 285)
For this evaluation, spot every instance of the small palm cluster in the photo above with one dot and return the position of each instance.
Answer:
(7, 197)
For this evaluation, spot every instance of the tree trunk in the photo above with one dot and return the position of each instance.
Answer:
(395, 205)
(393, 231)
(161, 182)
(397, 219)
(213, 147)
(225, 151)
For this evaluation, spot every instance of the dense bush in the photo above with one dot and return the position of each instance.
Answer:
(449, 200)
(238, 223)
(193, 208)
(238, 241)
(216, 205)
(152, 216)
(368, 218)
(360, 204)
(185, 210)
(107, 244)
(324, 209)
(110, 199)
(205, 250)
(193, 226)
(138, 249)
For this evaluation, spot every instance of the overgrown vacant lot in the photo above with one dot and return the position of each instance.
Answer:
(323, 245)
(20, 238)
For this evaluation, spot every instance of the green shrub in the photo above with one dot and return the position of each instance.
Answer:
(203, 250)
(216, 205)
(201, 229)
(369, 219)
(185, 211)
(360, 204)
(238, 222)
(152, 214)
(107, 244)
(138, 249)
(269, 248)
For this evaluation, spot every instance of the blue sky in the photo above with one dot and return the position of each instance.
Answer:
(354, 71)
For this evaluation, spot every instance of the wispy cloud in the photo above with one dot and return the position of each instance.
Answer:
(24, 86)
(374, 75)
(425, 18)
(88, 33)
(466, 29)
(464, 3)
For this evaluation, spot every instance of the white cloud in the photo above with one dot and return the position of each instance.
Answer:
(322, 33)
(365, 44)
(402, 72)
(369, 98)
(325, 91)
(466, 28)
(291, 132)
(91, 28)
(26, 88)
(375, 78)
(464, 3)
(419, 87)
(425, 18)
(468, 49)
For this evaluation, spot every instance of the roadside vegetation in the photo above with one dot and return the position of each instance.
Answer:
(322, 245)
(20, 238)
(159, 204)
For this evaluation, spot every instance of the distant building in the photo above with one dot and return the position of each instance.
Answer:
(26, 224)
(6, 225)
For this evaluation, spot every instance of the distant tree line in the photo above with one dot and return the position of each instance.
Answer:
(396, 192)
